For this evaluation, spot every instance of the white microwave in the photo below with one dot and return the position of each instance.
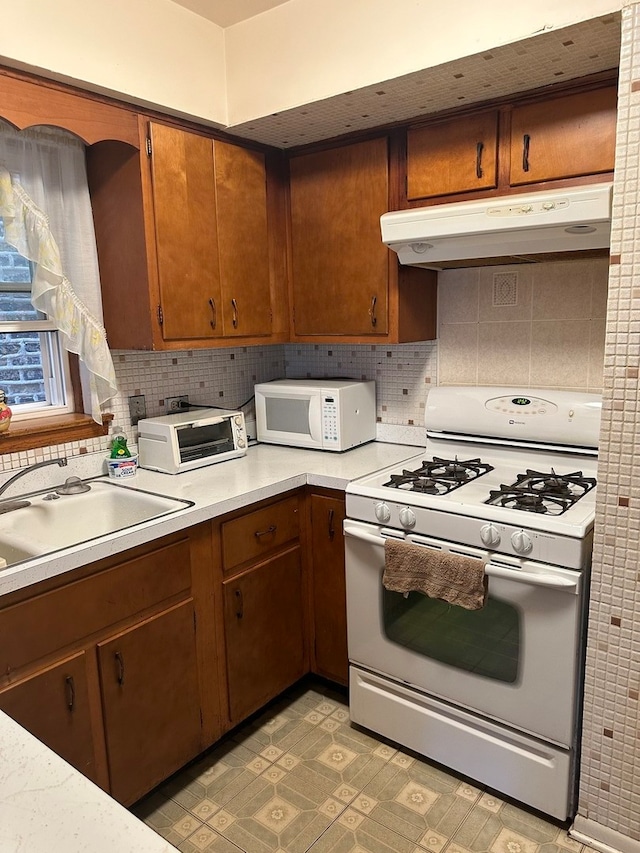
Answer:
(323, 414)
(188, 440)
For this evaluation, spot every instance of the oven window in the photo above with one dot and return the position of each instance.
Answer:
(486, 642)
(197, 442)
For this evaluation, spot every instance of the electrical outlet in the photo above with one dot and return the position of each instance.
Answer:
(137, 408)
(173, 403)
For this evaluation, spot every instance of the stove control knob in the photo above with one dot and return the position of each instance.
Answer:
(521, 542)
(407, 517)
(490, 536)
(383, 513)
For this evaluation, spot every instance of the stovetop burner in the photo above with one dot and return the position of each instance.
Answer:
(540, 492)
(440, 476)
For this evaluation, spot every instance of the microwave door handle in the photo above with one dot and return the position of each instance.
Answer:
(315, 418)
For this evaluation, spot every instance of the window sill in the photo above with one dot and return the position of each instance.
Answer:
(41, 432)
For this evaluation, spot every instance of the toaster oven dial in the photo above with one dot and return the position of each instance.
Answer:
(490, 535)
(407, 517)
(383, 513)
(521, 542)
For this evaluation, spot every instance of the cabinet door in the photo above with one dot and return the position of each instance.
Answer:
(184, 201)
(243, 241)
(453, 156)
(564, 137)
(340, 265)
(328, 587)
(53, 704)
(150, 701)
(264, 634)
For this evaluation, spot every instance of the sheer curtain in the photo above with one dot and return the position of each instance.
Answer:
(44, 201)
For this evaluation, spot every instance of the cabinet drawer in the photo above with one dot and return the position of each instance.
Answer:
(259, 532)
(51, 621)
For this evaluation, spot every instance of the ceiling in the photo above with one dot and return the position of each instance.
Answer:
(552, 56)
(225, 13)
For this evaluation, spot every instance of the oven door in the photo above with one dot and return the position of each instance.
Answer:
(516, 661)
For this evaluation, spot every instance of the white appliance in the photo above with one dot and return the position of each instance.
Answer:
(517, 226)
(507, 477)
(187, 440)
(323, 414)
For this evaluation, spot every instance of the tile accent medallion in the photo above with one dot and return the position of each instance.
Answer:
(346, 792)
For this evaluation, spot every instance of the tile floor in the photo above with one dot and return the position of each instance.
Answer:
(299, 777)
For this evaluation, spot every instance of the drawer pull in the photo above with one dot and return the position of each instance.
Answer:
(71, 692)
(479, 150)
(239, 604)
(331, 530)
(526, 140)
(119, 668)
(268, 532)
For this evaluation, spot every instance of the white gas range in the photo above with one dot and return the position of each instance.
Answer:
(507, 477)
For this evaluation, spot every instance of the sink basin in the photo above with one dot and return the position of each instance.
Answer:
(51, 524)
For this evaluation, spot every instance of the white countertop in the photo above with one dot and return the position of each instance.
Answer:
(265, 471)
(46, 806)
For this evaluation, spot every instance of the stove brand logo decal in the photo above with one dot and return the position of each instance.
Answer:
(517, 423)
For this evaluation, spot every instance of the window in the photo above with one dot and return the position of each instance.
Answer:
(49, 281)
(34, 371)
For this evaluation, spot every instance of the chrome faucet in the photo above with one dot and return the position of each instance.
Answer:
(61, 461)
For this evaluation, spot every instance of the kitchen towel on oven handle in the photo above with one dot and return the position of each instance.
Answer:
(453, 578)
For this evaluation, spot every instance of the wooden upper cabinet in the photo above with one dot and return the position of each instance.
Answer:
(340, 276)
(243, 239)
(565, 137)
(345, 282)
(459, 155)
(184, 203)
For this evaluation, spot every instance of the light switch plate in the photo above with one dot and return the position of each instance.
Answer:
(137, 408)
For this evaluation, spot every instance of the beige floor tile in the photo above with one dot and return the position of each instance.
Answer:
(355, 833)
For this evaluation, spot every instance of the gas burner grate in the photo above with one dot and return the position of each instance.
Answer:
(439, 476)
(540, 492)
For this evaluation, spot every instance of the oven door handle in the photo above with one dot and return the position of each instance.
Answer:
(550, 581)
(532, 578)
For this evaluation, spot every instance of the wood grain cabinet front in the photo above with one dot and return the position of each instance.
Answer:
(328, 588)
(564, 137)
(189, 237)
(53, 704)
(345, 283)
(460, 155)
(109, 670)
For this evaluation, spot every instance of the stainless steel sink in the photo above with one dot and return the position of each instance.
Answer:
(51, 522)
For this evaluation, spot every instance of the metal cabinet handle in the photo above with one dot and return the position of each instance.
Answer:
(214, 316)
(526, 139)
(234, 305)
(331, 529)
(372, 311)
(268, 532)
(120, 668)
(479, 150)
(71, 692)
(239, 604)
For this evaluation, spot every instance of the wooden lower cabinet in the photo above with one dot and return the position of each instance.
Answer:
(264, 632)
(151, 706)
(328, 592)
(53, 704)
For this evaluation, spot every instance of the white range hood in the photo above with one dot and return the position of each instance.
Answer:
(512, 227)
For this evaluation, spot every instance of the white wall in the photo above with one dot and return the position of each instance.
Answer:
(151, 51)
(155, 52)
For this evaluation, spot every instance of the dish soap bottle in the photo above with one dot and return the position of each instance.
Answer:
(5, 412)
(119, 449)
